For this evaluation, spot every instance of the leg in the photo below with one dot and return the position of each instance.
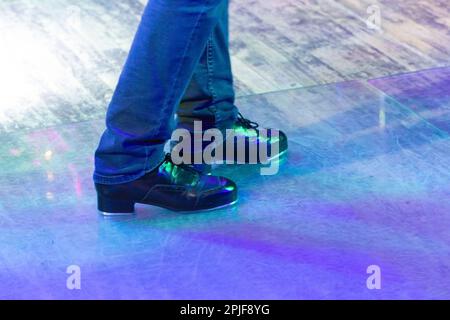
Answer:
(210, 95)
(167, 47)
(130, 165)
(210, 98)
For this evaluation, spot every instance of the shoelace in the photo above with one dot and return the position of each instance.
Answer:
(246, 123)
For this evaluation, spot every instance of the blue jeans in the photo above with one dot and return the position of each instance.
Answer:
(179, 63)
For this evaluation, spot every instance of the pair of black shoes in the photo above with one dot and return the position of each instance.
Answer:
(183, 188)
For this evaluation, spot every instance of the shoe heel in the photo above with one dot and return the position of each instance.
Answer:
(109, 207)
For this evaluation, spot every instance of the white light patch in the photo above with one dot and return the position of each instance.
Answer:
(29, 68)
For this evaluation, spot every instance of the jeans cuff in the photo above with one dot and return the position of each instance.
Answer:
(151, 165)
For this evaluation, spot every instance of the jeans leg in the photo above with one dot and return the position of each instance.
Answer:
(167, 47)
(210, 95)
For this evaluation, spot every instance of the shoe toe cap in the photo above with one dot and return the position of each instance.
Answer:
(221, 192)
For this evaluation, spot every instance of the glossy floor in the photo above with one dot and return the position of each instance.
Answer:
(60, 59)
(366, 182)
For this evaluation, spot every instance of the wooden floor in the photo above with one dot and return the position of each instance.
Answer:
(365, 182)
(60, 59)
(295, 43)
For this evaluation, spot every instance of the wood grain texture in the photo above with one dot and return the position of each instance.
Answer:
(60, 59)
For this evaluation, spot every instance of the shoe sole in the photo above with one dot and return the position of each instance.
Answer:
(127, 214)
(108, 214)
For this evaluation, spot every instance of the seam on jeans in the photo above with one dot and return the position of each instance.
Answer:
(169, 97)
(118, 179)
(210, 70)
(107, 177)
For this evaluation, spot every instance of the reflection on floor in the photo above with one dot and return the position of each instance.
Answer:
(60, 59)
(366, 183)
(426, 92)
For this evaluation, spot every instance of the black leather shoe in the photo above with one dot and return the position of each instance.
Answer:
(170, 186)
(274, 141)
(252, 138)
